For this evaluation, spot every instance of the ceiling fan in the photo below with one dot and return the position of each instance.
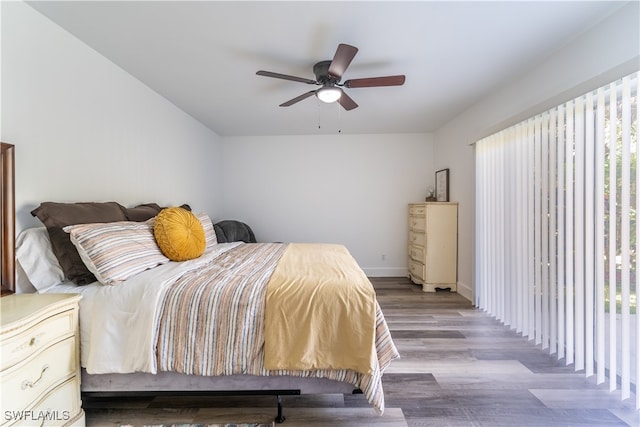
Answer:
(328, 75)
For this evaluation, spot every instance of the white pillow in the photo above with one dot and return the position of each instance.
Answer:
(35, 256)
(115, 251)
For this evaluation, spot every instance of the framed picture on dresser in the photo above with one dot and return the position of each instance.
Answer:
(442, 185)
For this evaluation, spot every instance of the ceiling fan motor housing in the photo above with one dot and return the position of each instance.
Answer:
(321, 71)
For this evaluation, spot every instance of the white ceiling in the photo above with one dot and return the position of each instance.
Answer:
(203, 55)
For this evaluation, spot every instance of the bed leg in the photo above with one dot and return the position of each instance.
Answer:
(279, 418)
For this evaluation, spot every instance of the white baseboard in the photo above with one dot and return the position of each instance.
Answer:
(386, 271)
(465, 291)
(462, 288)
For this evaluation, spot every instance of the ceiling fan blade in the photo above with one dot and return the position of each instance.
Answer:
(346, 102)
(298, 98)
(376, 81)
(286, 77)
(341, 60)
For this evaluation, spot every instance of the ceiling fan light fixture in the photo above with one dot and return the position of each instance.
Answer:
(329, 94)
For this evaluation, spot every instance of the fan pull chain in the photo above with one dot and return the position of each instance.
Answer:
(338, 106)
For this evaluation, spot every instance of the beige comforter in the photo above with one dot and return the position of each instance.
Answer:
(320, 312)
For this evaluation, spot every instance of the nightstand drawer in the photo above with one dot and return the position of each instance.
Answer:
(31, 340)
(60, 407)
(417, 253)
(417, 223)
(417, 238)
(26, 382)
(40, 367)
(416, 269)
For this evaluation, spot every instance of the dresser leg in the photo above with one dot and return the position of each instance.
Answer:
(428, 287)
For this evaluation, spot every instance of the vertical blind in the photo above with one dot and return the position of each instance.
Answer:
(556, 236)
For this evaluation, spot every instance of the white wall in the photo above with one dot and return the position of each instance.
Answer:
(85, 130)
(602, 54)
(347, 189)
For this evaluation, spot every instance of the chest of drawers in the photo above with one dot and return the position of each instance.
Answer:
(433, 245)
(40, 367)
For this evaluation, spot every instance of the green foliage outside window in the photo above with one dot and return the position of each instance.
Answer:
(613, 146)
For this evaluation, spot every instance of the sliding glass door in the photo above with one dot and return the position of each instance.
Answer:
(556, 236)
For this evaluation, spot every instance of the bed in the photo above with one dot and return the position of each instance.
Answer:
(240, 318)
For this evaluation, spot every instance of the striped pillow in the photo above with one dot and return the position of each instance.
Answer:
(209, 231)
(115, 251)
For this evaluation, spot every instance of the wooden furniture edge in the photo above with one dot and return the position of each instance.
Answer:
(7, 213)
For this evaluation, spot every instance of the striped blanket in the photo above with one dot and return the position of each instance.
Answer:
(212, 323)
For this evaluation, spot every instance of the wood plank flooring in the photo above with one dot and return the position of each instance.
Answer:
(458, 367)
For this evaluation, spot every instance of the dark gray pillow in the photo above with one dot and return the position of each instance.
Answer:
(55, 216)
(146, 211)
(142, 212)
(233, 231)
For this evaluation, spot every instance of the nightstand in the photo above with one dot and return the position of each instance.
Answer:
(40, 364)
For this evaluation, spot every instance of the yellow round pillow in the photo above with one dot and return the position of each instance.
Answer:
(179, 234)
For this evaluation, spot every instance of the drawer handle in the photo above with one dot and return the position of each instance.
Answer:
(32, 384)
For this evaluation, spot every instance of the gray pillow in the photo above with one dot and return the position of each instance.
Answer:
(146, 211)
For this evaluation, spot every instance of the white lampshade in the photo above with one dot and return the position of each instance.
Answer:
(329, 94)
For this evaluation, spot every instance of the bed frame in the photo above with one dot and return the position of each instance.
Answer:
(139, 384)
(170, 383)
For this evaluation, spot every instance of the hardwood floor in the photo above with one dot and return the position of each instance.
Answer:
(458, 367)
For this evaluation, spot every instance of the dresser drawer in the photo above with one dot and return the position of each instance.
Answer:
(417, 209)
(416, 269)
(417, 253)
(33, 339)
(417, 223)
(416, 238)
(25, 382)
(59, 407)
